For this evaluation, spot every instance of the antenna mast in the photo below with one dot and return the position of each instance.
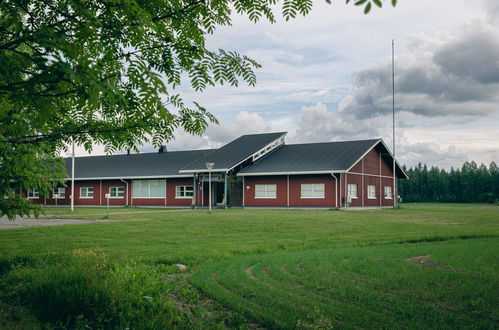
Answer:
(395, 190)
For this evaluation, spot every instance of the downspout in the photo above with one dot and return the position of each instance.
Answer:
(194, 191)
(346, 190)
(244, 192)
(336, 188)
(287, 190)
(126, 190)
(226, 198)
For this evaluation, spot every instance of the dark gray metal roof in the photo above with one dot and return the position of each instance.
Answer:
(311, 157)
(233, 153)
(134, 165)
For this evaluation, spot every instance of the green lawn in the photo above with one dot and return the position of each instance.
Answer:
(269, 268)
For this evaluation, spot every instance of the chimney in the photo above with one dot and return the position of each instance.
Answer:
(162, 149)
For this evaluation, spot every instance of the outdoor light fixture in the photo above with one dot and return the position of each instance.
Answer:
(209, 166)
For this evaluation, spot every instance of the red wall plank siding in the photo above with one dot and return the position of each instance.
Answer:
(170, 191)
(281, 192)
(86, 201)
(106, 184)
(370, 170)
(295, 182)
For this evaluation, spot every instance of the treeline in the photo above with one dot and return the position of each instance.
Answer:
(469, 184)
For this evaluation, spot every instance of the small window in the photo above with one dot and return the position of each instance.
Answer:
(265, 191)
(312, 190)
(60, 192)
(116, 192)
(87, 192)
(33, 193)
(352, 190)
(388, 192)
(184, 192)
(371, 191)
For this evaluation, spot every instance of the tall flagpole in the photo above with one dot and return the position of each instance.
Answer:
(73, 177)
(395, 192)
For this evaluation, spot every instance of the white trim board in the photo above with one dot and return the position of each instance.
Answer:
(289, 173)
(132, 177)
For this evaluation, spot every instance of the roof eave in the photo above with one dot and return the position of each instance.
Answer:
(291, 173)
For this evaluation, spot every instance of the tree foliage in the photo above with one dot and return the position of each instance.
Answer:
(107, 72)
(469, 184)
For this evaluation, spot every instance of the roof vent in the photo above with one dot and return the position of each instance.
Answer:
(162, 149)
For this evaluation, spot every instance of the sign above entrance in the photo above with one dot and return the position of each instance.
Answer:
(215, 177)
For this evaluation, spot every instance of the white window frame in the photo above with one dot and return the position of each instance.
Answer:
(161, 182)
(117, 189)
(267, 193)
(371, 191)
(86, 194)
(350, 190)
(388, 194)
(181, 192)
(57, 191)
(33, 193)
(317, 193)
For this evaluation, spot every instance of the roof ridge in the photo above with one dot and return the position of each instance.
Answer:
(326, 142)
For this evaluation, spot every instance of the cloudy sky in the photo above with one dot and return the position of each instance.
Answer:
(327, 77)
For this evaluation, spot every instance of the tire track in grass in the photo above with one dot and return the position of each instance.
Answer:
(377, 287)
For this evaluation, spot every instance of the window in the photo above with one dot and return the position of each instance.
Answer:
(32, 193)
(149, 188)
(388, 192)
(60, 192)
(183, 192)
(116, 192)
(265, 191)
(87, 192)
(314, 190)
(371, 191)
(352, 190)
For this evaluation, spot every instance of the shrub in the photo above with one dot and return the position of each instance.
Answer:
(83, 290)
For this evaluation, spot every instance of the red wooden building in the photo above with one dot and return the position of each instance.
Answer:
(257, 170)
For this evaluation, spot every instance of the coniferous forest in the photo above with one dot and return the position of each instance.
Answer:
(469, 184)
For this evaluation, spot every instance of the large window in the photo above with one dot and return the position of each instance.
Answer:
(184, 192)
(352, 190)
(32, 193)
(312, 190)
(60, 192)
(149, 188)
(116, 192)
(388, 192)
(265, 191)
(371, 191)
(87, 192)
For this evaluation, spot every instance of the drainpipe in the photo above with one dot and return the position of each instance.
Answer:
(336, 188)
(225, 190)
(126, 190)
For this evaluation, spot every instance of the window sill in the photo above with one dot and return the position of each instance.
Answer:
(388, 198)
(372, 197)
(163, 197)
(312, 197)
(181, 197)
(265, 197)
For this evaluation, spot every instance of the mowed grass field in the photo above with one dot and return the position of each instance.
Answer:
(420, 266)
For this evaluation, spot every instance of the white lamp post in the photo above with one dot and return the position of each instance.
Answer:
(209, 166)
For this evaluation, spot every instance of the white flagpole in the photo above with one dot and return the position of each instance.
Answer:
(73, 178)
(395, 192)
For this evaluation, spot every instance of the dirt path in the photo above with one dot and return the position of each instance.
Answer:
(33, 222)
